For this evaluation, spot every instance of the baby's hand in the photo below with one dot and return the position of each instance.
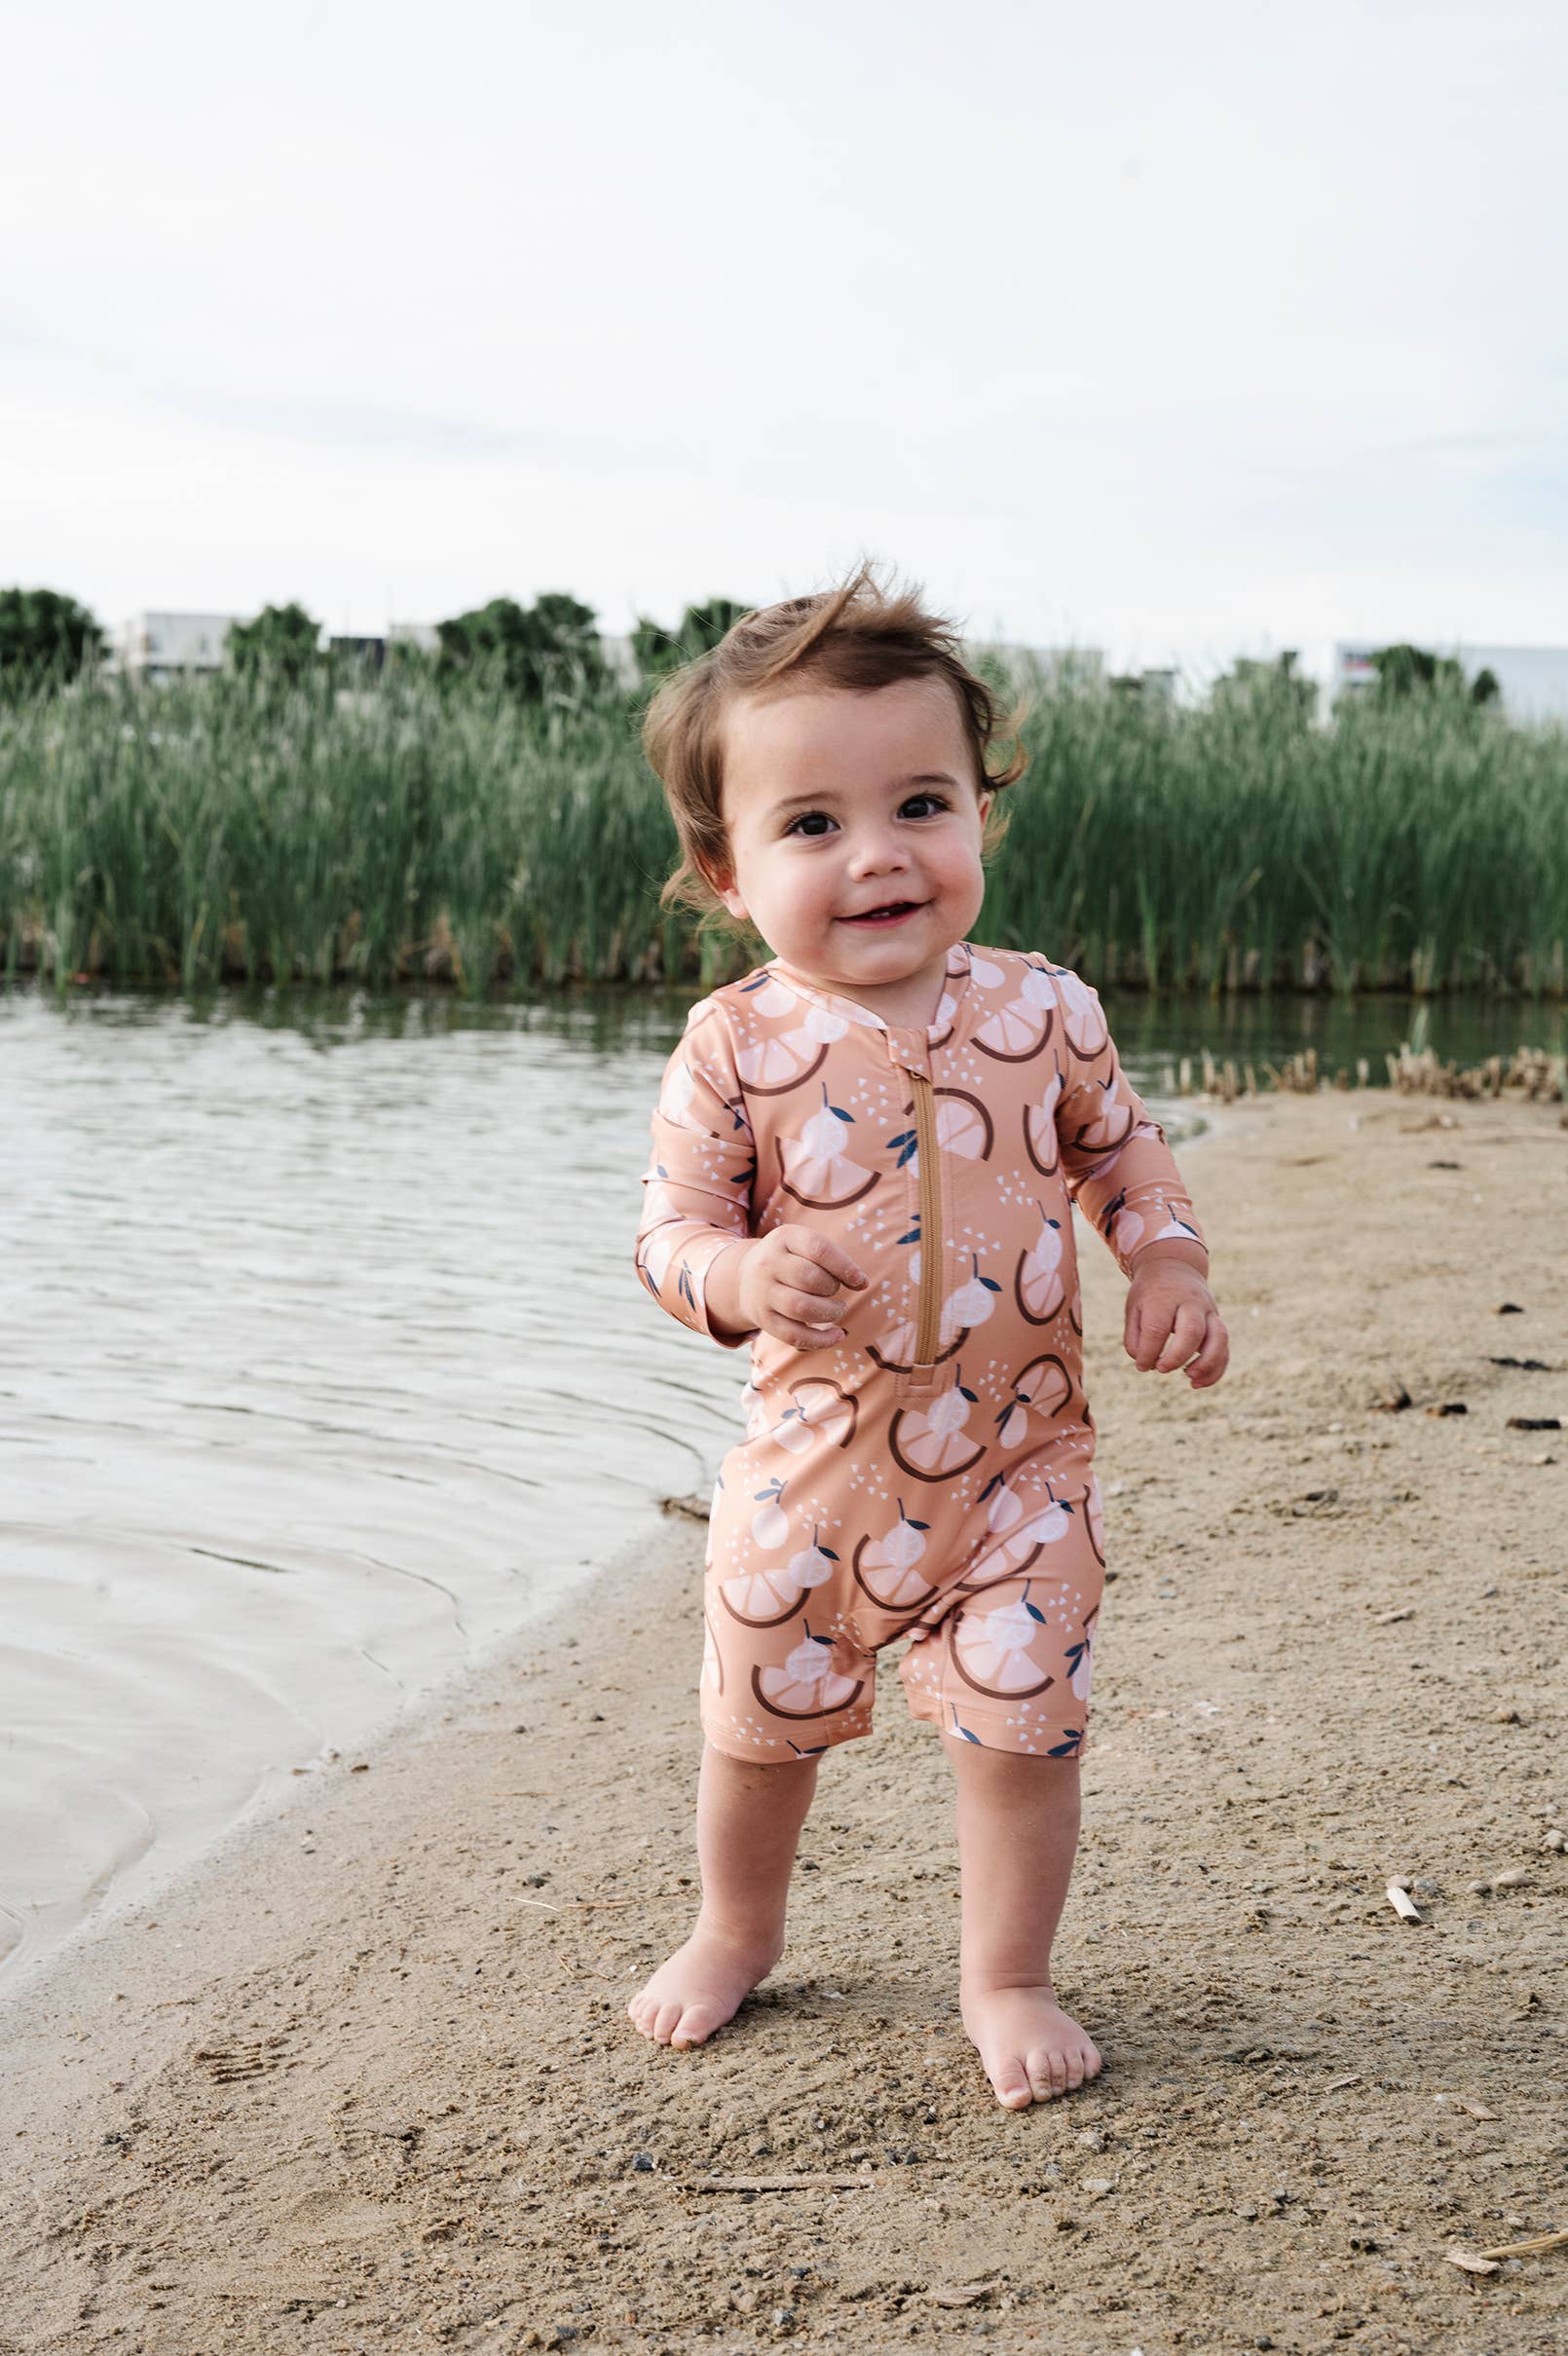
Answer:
(1172, 1321)
(788, 1284)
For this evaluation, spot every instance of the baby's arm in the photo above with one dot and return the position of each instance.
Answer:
(1121, 1172)
(694, 1249)
(697, 1187)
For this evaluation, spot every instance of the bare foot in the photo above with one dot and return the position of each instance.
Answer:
(1030, 2047)
(699, 1988)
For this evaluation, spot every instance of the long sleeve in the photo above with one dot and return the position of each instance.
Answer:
(697, 1189)
(1118, 1167)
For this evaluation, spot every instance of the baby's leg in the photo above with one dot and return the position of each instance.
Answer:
(1018, 1833)
(748, 1819)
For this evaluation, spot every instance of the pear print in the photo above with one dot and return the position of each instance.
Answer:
(807, 1686)
(761, 1599)
(971, 1304)
(1020, 1534)
(814, 1167)
(990, 1650)
(1038, 1280)
(885, 1567)
(1040, 1141)
(931, 1442)
(769, 1525)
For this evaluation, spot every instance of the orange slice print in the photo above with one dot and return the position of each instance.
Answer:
(805, 1686)
(1038, 1285)
(771, 1066)
(964, 1125)
(990, 1650)
(931, 1442)
(713, 1668)
(1043, 1388)
(1014, 1032)
(761, 1599)
(823, 1407)
(1083, 1021)
(1110, 1126)
(885, 1567)
(1040, 1140)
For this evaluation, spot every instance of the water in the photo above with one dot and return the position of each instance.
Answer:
(325, 1367)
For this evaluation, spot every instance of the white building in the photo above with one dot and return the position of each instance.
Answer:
(1533, 680)
(163, 646)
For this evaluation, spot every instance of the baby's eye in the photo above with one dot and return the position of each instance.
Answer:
(937, 801)
(815, 819)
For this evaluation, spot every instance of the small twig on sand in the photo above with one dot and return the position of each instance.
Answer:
(1524, 2249)
(777, 2183)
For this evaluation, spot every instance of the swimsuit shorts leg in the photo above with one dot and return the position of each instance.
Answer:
(1000, 1650)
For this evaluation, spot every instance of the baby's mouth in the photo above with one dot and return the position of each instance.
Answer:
(892, 912)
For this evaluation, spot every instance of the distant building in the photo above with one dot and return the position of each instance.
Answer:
(1533, 681)
(358, 654)
(163, 646)
(1053, 666)
(421, 634)
(620, 661)
(1157, 686)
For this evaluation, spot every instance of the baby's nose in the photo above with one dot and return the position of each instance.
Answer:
(876, 851)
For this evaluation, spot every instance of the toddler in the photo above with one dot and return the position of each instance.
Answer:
(866, 1155)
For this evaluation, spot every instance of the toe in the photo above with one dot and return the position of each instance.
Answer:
(1042, 2075)
(1012, 2084)
(664, 2021)
(695, 2025)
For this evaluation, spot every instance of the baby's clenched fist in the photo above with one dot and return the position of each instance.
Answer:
(785, 1282)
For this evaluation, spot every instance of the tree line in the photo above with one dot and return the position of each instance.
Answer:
(48, 638)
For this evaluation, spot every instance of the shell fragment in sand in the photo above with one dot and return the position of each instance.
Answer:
(1466, 2103)
(1403, 1904)
(1470, 2259)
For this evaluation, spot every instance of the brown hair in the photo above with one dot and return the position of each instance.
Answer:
(857, 636)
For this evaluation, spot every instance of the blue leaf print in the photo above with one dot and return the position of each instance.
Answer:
(963, 1730)
(1065, 1751)
(1034, 1612)
(904, 1145)
(989, 1281)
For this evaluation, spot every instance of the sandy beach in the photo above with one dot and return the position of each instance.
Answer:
(365, 2081)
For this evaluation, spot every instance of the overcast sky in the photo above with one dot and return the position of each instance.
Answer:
(1179, 332)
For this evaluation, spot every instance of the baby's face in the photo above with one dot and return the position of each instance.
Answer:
(840, 807)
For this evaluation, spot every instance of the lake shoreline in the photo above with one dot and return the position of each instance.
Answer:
(366, 2066)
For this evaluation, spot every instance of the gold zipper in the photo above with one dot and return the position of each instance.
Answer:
(929, 1316)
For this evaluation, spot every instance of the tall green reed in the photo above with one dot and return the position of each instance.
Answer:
(222, 827)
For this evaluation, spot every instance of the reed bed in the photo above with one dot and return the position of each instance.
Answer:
(224, 829)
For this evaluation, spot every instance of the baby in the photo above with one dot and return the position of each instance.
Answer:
(865, 1154)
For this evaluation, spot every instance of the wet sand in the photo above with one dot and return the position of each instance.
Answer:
(364, 2081)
